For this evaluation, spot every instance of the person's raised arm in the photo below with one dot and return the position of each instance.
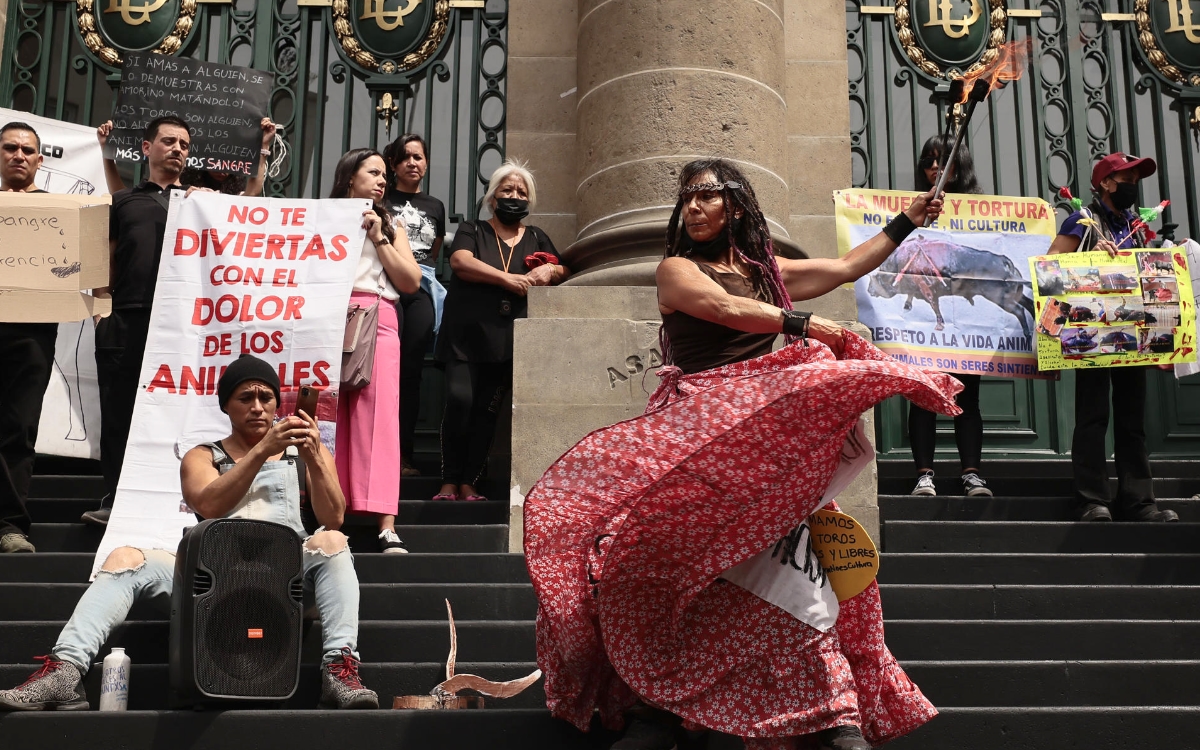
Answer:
(1063, 243)
(111, 176)
(214, 495)
(812, 277)
(254, 186)
(328, 502)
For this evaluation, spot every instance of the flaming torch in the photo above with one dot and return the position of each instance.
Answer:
(973, 88)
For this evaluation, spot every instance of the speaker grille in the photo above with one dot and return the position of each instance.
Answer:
(247, 626)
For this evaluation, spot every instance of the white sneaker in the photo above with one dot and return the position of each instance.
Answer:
(973, 485)
(925, 485)
(389, 541)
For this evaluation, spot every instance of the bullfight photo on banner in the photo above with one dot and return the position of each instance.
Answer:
(264, 276)
(1095, 310)
(955, 296)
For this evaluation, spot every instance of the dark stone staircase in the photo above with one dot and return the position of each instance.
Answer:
(1031, 631)
(1025, 629)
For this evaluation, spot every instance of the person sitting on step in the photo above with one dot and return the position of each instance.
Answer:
(240, 476)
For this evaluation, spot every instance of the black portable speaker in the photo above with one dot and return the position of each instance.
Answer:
(236, 612)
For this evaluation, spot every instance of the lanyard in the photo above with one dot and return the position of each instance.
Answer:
(499, 248)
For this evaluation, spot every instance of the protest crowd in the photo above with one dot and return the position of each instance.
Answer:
(726, 300)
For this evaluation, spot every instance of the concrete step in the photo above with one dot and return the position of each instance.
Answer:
(513, 640)
(69, 509)
(1041, 640)
(372, 567)
(1040, 568)
(957, 508)
(1056, 683)
(992, 602)
(999, 728)
(1039, 536)
(501, 729)
(92, 486)
(78, 537)
(378, 640)
(946, 684)
(379, 601)
(150, 687)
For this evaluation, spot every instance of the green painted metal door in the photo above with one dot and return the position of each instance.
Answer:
(1094, 85)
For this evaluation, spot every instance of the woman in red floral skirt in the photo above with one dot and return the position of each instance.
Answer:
(627, 534)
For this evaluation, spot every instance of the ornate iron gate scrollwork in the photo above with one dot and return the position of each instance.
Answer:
(1104, 75)
(332, 92)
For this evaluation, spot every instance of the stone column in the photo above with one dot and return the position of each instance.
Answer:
(659, 84)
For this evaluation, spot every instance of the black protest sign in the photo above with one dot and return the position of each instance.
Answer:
(223, 104)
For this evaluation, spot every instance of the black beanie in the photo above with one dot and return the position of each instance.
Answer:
(246, 367)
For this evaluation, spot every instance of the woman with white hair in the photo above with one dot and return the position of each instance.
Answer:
(494, 262)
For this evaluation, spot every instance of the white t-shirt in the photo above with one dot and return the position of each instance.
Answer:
(370, 270)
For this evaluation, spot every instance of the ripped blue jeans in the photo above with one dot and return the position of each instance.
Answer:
(106, 603)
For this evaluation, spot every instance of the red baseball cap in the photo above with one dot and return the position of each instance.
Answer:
(1119, 162)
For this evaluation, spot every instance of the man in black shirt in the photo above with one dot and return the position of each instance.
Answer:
(26, 361)
(136, 226)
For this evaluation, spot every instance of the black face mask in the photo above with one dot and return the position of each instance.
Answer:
(711, 250)
(1125, 195)
(510, 210)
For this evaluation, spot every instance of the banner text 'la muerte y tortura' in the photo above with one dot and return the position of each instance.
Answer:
(955, 296)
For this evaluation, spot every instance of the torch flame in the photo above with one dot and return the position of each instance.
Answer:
(1009, 65)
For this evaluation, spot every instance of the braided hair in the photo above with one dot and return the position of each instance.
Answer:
(748, 234)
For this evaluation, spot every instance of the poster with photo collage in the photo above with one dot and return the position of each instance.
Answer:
(1095, 310)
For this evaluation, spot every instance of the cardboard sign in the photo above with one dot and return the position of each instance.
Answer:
(52, 247)
(265, 276)
(223, 104)
(956, 296)
(1094, 310)
(845, 551)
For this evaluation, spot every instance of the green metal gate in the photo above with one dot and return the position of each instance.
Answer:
(1121, 75)
(348, 73)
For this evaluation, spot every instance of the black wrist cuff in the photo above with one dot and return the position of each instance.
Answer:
(899, 228)
(795, 323)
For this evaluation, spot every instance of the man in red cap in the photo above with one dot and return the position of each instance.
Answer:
(1108, 224)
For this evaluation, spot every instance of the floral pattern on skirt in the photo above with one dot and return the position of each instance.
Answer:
(627, 533)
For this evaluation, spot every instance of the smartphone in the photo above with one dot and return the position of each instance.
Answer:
(307, 401)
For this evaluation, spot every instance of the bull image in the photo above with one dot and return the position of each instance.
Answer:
(1082, 315)
(1119, 341)
(933, 268)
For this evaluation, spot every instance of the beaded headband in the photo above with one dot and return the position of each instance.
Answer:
(710, 186)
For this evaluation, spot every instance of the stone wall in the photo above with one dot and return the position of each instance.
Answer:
(606, 98)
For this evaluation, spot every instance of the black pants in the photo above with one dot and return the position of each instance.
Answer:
(968, 428)
(416, 336)
(120, 346)
(1135, 486)
(474, 394)
(26, 362)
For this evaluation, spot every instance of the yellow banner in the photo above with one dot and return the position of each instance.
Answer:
(1093, 310)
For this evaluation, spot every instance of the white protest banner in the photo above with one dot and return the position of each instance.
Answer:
(264, 276)
(954, 297)
(70, 423)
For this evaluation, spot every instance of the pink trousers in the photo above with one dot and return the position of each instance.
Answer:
(368, 424)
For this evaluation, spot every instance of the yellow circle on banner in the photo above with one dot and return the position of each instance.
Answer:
(846, 552)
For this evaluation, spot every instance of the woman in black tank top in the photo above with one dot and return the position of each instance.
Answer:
(628, 534)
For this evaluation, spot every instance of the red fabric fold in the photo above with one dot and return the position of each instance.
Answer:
(627, 533)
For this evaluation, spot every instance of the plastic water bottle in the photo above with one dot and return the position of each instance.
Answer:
(114, 682)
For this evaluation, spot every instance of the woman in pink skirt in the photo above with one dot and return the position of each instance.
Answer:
(368, 420)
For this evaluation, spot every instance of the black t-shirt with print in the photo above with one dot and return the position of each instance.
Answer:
(477, 320)
(423, 218)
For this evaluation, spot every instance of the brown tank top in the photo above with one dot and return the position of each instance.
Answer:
(698, 345)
